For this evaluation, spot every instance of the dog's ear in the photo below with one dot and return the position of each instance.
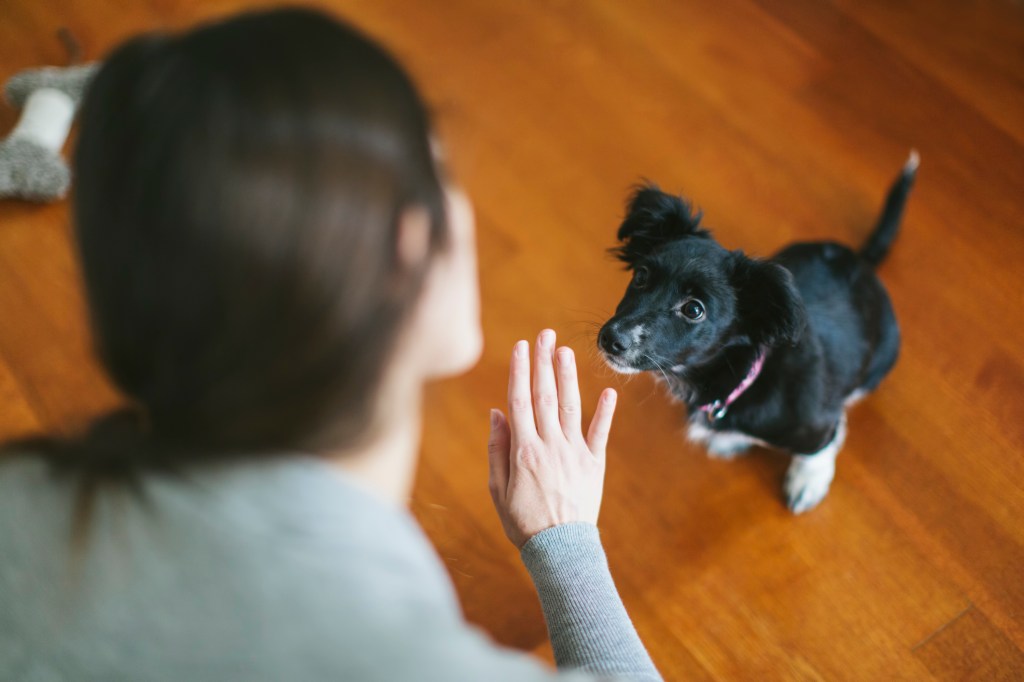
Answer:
(654, 218)
(770, 307)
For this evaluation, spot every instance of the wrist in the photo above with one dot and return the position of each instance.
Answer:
(561, 541)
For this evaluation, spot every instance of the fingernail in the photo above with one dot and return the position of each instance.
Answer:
(610, 396)
(494, 419)
(520, 349)
(547, 338)
(565, 355)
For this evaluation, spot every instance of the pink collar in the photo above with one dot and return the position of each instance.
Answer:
(718, 409)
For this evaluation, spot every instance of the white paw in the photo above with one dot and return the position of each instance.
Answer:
(807, 481)
(809, 476)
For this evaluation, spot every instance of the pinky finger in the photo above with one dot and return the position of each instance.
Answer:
(498, 446)
(601, 424)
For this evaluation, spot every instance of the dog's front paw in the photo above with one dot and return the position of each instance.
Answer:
(807, 481)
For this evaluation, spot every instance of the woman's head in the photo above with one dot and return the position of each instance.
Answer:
(262, 225)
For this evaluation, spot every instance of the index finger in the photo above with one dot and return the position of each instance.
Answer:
(520, 404)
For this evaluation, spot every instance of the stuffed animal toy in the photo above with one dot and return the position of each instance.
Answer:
(31, 165)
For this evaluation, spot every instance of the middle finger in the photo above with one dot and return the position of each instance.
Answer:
(545, 392)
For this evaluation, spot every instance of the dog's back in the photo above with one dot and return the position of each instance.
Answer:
(848, 311)
(847, 306)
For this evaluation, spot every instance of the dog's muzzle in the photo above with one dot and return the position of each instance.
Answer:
(614, 341)
(620, 345)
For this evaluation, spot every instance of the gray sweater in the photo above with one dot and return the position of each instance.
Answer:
(279, 570)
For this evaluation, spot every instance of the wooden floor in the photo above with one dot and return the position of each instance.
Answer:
(783, 121)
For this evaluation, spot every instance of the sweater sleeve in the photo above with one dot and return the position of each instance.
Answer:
(587, 622)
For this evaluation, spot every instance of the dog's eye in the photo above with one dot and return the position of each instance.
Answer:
(640, 276)
(692, 309)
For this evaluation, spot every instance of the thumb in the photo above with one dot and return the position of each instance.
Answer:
(498, 444)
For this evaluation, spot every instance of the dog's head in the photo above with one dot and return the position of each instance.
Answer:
(689, 297)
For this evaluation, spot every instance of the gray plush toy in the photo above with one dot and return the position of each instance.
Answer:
(31, 166)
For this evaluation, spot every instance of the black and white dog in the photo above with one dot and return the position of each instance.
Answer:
(767, 352)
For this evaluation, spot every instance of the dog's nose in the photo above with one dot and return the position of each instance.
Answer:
(613, 341)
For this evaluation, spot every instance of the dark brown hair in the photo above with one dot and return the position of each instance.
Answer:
(238, 194)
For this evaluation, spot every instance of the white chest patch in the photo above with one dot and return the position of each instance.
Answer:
(720, 444)
(855, 397)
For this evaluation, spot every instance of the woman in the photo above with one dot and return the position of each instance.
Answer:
(274, 266)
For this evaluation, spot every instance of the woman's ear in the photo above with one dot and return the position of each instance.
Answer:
(413, 239)
(771, 310)
(444, 336)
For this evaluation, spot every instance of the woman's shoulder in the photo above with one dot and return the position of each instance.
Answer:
(246, 558)
(30, 492)
(294, 504)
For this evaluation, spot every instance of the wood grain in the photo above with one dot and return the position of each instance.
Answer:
(783, 121)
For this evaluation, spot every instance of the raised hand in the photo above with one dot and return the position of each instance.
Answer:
(543, 472)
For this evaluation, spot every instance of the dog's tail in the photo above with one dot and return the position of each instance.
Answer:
(877, 245)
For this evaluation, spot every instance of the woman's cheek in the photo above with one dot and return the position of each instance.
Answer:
(468, 339)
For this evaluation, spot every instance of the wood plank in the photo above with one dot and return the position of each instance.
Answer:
(970, 648)
(45, 338)
(17, 419)
(973, 49)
